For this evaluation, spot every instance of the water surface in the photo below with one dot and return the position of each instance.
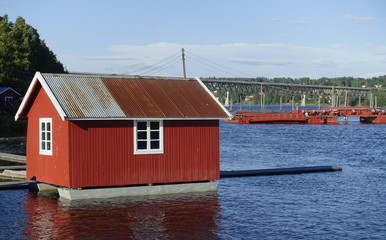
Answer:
(333, 205)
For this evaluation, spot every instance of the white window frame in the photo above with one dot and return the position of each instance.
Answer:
(148, 150)
(44, 151)
(8, 99)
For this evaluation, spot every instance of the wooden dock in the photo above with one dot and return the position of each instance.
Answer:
(13, 157)
(12, 173)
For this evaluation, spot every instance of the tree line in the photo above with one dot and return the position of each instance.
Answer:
(22, 53)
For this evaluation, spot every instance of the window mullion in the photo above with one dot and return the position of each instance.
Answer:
(148, 135)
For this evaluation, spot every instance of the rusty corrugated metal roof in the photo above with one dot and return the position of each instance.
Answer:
(82, 96)
(109, 96)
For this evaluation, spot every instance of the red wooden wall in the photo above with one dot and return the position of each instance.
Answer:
(102, 154)
(50, 169)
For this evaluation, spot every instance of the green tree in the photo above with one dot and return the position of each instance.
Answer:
(22, 53)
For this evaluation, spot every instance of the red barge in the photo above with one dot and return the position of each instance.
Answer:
(328, 115)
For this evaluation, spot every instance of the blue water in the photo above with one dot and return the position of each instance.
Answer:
(335, 205)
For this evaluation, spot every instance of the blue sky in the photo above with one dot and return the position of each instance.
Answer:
(273, 38)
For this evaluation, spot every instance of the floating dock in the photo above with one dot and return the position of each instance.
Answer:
(13, 157)
(328, 115)
(278, 171)
(14, 185)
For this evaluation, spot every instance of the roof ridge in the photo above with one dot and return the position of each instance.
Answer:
(122, 76)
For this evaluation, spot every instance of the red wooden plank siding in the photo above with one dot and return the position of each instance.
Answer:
(50, 169)
(102, 154)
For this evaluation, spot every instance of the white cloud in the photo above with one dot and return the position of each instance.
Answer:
(232, 59)
(373, 74)
(324, 63)
(362, 19)
(7, 5)
(337, 45)
(380, 51)
(261, 62)
(289, 21)
(111, 58)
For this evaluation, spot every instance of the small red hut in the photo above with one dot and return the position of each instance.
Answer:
(90, 131)
(7, 94)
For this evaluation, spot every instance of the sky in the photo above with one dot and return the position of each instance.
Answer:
(221, 38)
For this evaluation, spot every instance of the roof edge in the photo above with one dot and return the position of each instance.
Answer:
(105, 75)
(39, 77)
(7, 88)
(214, 98)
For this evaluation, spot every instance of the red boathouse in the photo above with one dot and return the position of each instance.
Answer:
(87, 131)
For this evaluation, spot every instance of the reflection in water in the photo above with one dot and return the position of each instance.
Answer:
(168, 217)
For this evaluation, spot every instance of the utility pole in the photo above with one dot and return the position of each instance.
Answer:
(183, 61)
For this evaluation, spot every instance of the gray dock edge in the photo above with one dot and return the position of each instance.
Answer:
(278, 171)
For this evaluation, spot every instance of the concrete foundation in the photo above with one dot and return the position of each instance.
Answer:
(42, 187)
(75, 194)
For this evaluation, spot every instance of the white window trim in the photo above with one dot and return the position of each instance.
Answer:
(161, 135)
(8, 98)
(41, 151)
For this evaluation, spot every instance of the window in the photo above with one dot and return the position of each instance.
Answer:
(148, 137)
(8, 99)
(45, 141)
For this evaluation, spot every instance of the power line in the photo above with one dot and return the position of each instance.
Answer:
(153, 66)
(162, 67)
(203, 64)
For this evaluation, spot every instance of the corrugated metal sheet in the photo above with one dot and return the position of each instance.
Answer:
(100, 96)
(160, 98)
(83, 96)
(199, 99)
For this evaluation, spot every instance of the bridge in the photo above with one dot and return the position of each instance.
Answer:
(332, 93)
(232, 84)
